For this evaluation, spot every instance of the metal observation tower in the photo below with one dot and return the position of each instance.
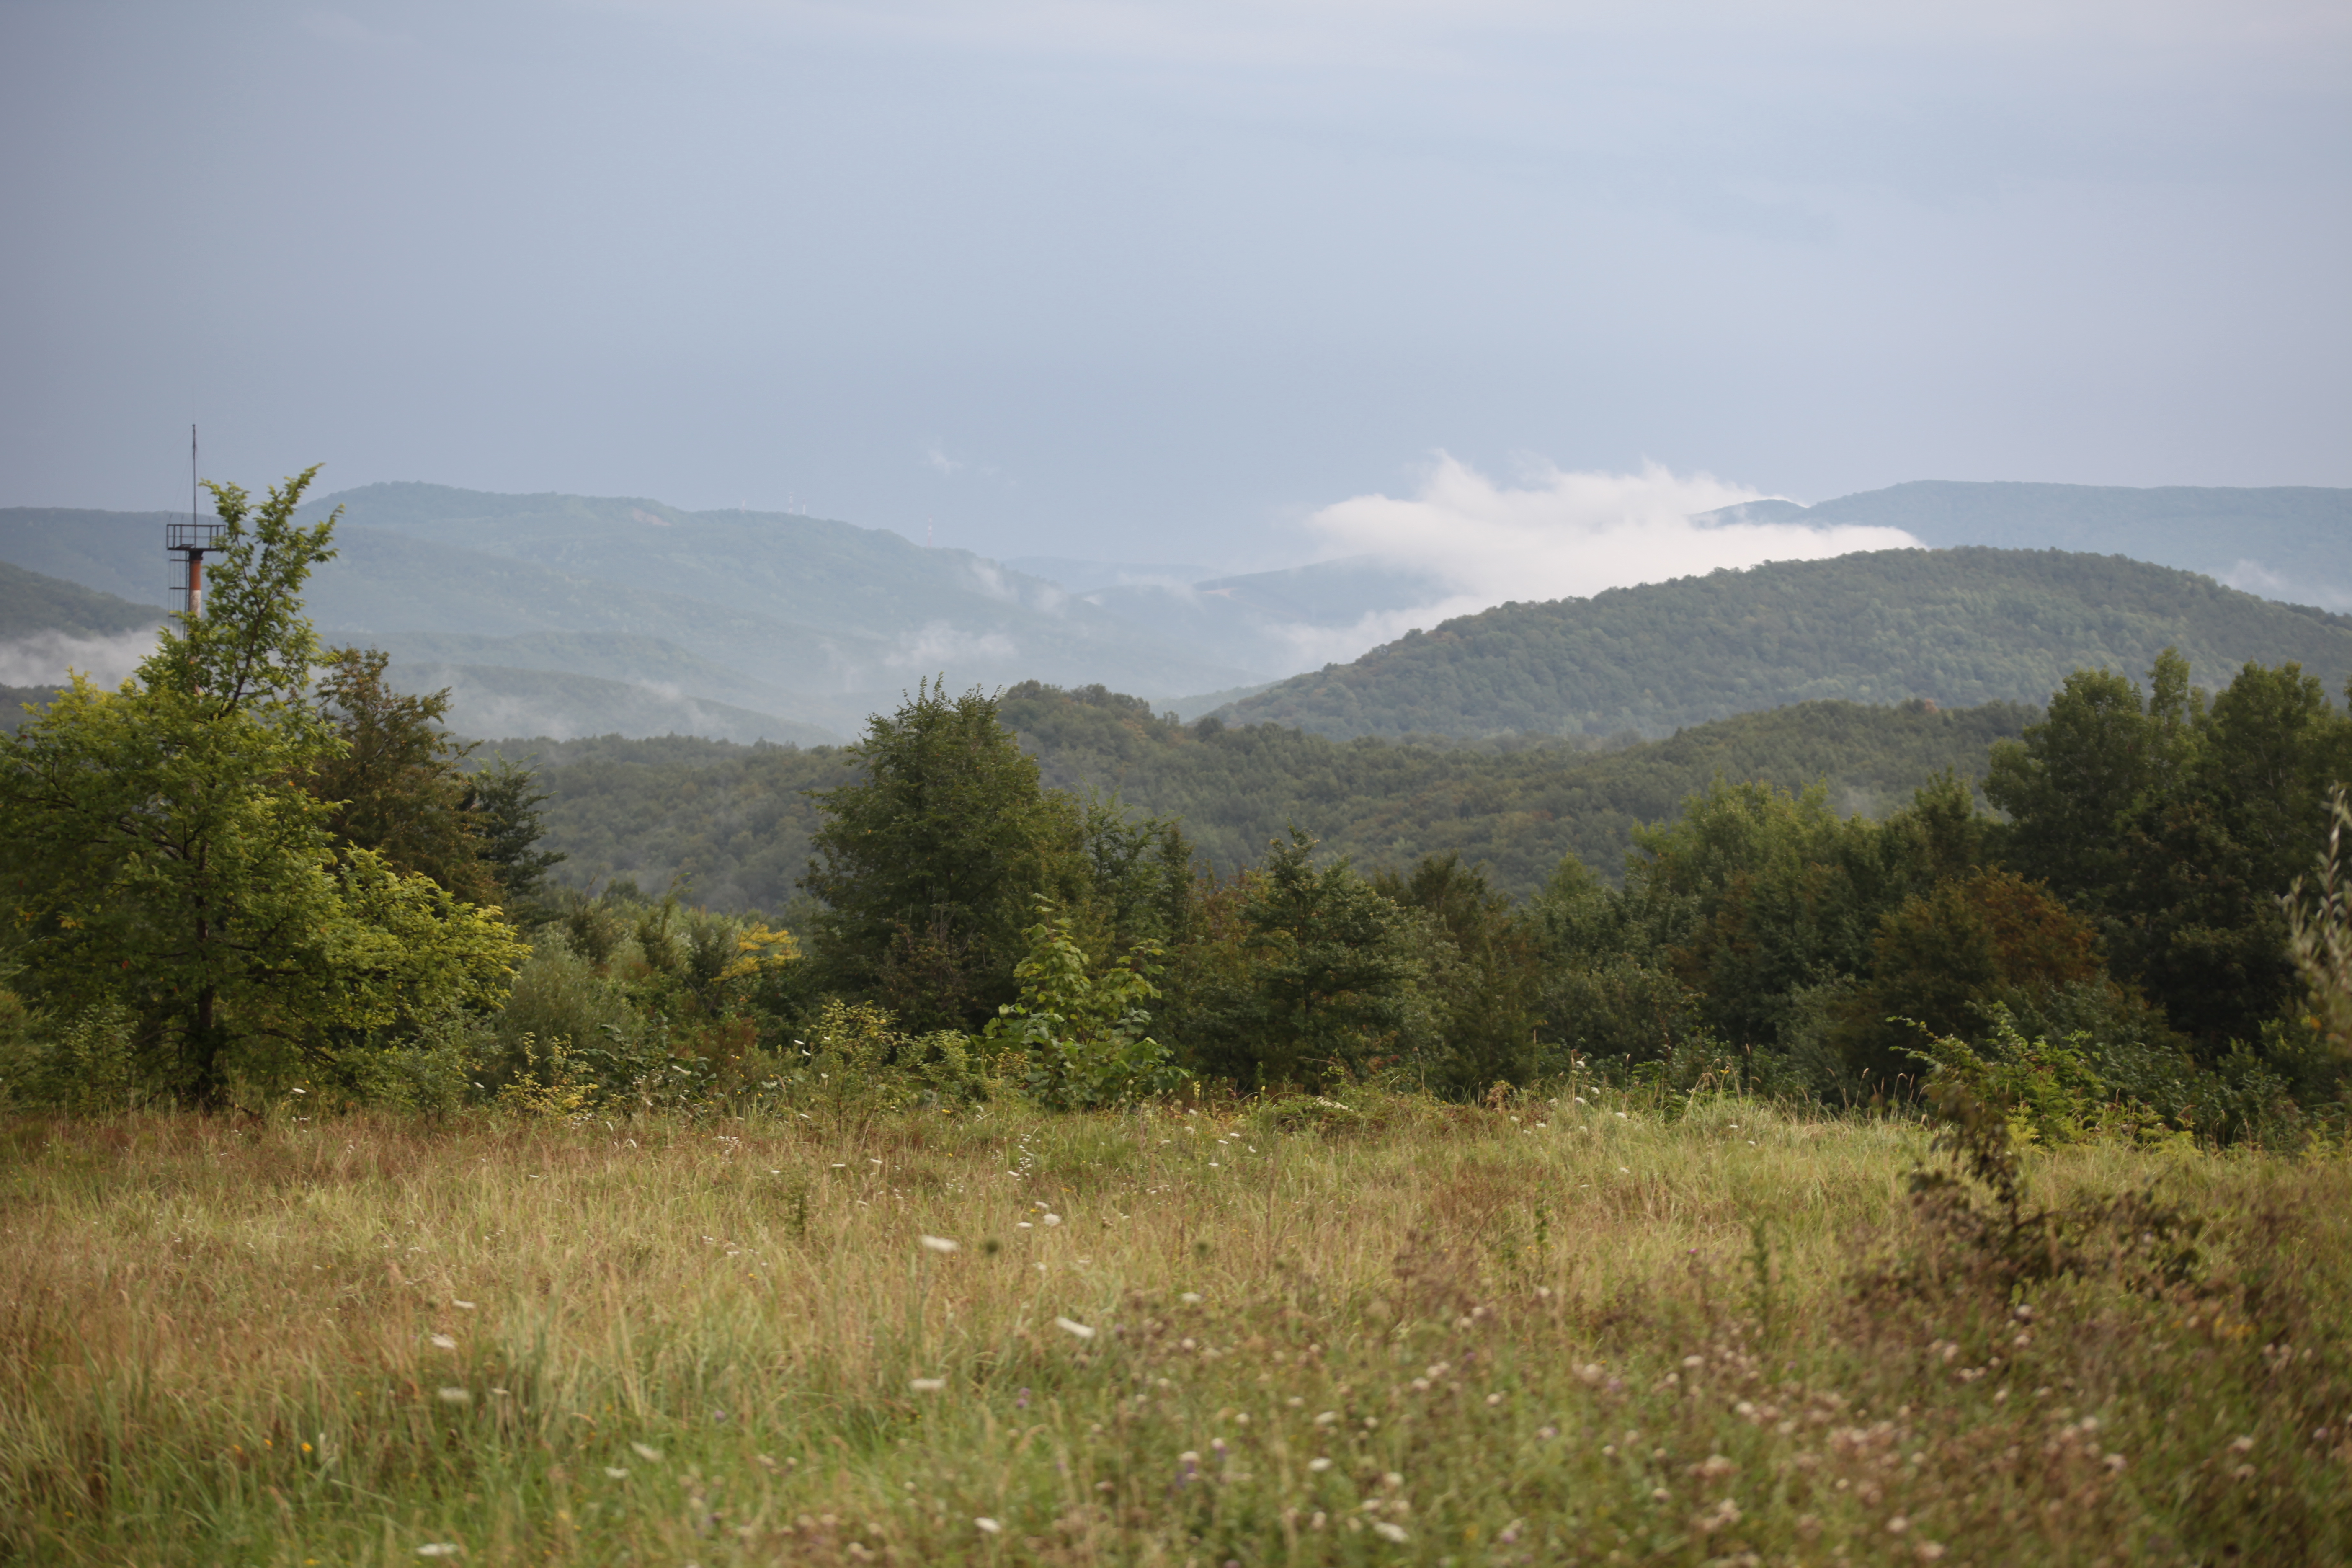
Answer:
(187, 542)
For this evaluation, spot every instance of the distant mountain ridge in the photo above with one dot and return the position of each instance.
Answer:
(1960, 628)
(816, 623)
(2291, 542)
(800, 627)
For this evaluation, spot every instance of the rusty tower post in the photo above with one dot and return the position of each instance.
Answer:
(186, 543)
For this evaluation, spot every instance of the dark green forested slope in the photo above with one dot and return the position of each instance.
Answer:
(36, 612)
(1958, 626)
(731, 819)
(35, 602)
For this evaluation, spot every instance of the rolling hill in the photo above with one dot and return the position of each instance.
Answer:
(48, 625)
(1959, 628)
(818, 623)
(555, 683)
(33, 602)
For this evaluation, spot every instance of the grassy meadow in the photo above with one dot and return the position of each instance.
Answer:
(1388, 1331)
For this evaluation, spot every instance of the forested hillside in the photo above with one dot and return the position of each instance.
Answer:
(36, 602)
(1959, 627)
(48, 624)
(734, 823)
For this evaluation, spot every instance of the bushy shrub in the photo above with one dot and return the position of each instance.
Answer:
(445, 1066)
(559, 993)
(2050, 1092)
(85, 1064)
(856, 1057)
(1082, 1034)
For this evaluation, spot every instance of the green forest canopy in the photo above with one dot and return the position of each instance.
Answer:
(1959, 628)
(733, 821)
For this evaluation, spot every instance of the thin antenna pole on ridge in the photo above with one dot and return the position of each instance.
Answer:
(187, 543)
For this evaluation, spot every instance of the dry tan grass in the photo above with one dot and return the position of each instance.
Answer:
(1532, 1335)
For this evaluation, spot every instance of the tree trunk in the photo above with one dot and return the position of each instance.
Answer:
(206, 1088)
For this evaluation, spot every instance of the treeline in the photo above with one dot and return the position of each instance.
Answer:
(1959, 626)
(730, 826)
(2117, 946)
(258, 870)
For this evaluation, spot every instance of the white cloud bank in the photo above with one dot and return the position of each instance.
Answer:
(1556, 535)
(43, 657)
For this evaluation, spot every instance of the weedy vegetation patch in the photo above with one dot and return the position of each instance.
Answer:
(1378, 1330)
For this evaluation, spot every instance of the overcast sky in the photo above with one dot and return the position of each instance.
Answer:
(1167, 281)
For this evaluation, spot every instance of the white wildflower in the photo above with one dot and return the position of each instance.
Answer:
(1070, 1327)
(988, 1526)
(1388, 1532)
(616, 1472)
(461, 1306)
(444, 1342)
(650, 1455)
(927, 1384)
(440, 1549)
(940, 1244)
(457, 1396)
(1052, 1220)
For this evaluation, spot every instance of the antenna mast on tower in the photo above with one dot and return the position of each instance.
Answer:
(186, 543)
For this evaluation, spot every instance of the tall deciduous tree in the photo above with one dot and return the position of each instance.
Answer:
(927, 863)
(1332, 973)
(1485, 967)
(162, 858)
(2177, 823)
(395, 784)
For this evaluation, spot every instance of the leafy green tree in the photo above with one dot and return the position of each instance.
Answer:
(1081, 1026)
(163, 858)
(1757, 893)
(1140, 874)
(394, 785)
(1741, 916)
(926, 863)
(1327, 981)
(1486, 971)
(1609, 989)
(2176, 824)
(2320, 915)
(502, 805)
(1944, 958)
